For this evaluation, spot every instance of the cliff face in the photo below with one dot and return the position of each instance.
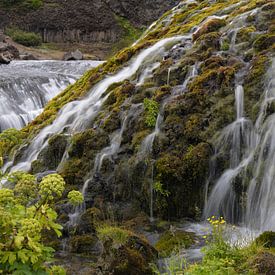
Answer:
(84, 20)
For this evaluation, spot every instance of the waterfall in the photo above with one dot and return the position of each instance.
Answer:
(251, 146)
(107, 152)
(26, 87)
(77, 115)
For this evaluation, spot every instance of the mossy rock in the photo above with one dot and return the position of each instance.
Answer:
(264, 41)
(125, 253)
(267, 239)
(244, 34)
(84, 244)
(209, 40)
(212, 25)
(170, 241)
(50, 157)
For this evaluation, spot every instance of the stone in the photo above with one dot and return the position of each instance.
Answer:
(5, 59)
(76, 55)
(27, 56)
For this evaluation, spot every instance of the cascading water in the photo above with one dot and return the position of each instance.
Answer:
(26, 87)
(107, 152)
(77, 115)
(252, 158)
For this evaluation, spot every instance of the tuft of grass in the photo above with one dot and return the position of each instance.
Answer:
(117, 235)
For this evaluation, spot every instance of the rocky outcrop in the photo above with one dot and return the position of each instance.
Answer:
(8, 53)
(84, 20)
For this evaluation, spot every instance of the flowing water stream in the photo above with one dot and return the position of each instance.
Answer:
(26, 87)
(252, 158)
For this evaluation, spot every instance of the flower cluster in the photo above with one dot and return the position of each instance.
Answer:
(52, 186)
(75, 197)
(30, 227)
(215, 221)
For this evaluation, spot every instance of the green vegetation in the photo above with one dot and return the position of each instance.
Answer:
(10, 139)
(171, 241)
(222, 258)
(130, 34)
(117, 235)
(26, 213)
(151, 112)
(22, 4)
(29, 39)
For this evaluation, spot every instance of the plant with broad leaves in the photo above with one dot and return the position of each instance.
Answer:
(26, 213)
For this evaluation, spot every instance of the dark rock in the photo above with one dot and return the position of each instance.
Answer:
(85, 20)
(5, 58)
(2, 36)
(76, 55)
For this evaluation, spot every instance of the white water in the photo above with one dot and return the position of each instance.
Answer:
(252, 158)
(78, 115)
(107, 152)
(26, 87)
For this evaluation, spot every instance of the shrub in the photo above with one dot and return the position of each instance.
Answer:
(29, 39)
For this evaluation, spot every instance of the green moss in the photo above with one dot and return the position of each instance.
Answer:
(263, 42)
(83, 243)
(10, 139)
(244, 34)
(139, 137)
(130, 34)
(267, 239)
(254, 84)
(170, 242)
(212, 25)
(209, 40)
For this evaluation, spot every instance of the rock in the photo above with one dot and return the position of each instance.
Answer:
(27, 56)
(7, 53)
(76, 55)
(211, 25)
(128, 254)
(5, 59)
(2, 36)
(84, 20)
(265, 263)
(267, 239)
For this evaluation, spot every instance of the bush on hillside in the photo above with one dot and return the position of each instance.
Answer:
(29, 39)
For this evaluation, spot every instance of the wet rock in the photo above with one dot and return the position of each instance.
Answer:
(76, 55)
(87, 244)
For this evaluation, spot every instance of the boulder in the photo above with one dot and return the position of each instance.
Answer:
(5, 58)
(7, 53)
(76, 55)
